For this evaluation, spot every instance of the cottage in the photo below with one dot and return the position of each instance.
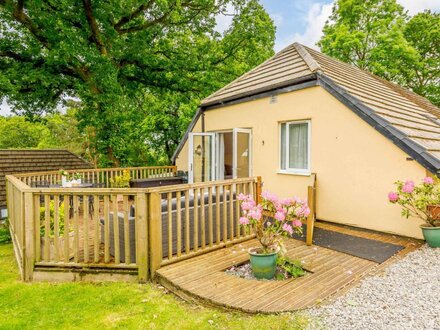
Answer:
(302, 112)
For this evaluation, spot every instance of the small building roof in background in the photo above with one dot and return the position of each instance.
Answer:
(35, 160)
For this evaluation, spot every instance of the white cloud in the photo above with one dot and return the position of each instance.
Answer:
(416, 6)
(315, 20)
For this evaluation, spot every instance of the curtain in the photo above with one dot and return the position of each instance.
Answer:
(298, 146)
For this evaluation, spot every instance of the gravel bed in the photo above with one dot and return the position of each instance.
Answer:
(405, 296)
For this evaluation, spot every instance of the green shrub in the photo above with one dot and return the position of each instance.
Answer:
(5, 234)
(52, 219)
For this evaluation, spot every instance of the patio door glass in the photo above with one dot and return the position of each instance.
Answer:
(242, 153)
(201, 157)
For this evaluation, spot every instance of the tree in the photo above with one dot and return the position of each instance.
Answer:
(375, 35)
(114, 55)
(423, 74)
(17, 133)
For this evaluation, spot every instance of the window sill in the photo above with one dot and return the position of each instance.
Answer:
(298, 173)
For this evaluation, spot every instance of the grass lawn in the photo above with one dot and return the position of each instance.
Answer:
(112, 305)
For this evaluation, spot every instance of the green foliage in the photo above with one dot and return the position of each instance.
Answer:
(378, 36)
(121, 181)
(16, 133)
(292, 267)
(53, 131)
(61, 223)
(5, 234)
(79, 305)
(138, 67)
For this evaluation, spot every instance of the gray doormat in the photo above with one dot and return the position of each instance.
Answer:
(356, 246)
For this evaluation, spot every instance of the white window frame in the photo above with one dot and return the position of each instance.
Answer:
(191, 155)
(297, 171)
(235, 132)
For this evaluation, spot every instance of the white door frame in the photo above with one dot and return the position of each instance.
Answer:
(235, 132)
(191, 155)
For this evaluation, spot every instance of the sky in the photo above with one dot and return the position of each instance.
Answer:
(301, 21)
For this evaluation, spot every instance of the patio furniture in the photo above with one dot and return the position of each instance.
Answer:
(131, 235)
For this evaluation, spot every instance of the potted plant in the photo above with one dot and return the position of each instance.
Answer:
(421, 201)
(270, 220)
(62, 231)
(64, 177)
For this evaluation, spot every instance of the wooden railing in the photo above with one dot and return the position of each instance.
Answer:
(125, 229)
(191, 219)
(16, 213)
(100, 175)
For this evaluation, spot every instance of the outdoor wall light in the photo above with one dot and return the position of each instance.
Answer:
(198, 150)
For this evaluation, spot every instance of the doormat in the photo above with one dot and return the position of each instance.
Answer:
(356, 246)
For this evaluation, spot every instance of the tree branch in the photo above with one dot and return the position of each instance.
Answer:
(94, 27)
(26, 21)
(126, 19)
(144, 26)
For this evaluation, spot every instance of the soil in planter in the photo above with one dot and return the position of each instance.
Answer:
(244, 270)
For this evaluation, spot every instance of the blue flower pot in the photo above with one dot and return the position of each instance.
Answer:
(263, 266)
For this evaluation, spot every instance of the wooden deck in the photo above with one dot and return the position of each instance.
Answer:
(203, 278)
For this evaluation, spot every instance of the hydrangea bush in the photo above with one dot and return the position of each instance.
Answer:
(418, 200)
(273, 218)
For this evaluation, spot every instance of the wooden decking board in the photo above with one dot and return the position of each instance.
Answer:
(331, 269)
(203, 277)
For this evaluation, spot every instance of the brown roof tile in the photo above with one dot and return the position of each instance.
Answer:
(33, 160)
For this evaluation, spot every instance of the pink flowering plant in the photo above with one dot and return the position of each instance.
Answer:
(418, 200)
(273, 218)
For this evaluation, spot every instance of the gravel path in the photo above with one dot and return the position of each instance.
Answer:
(405, 296)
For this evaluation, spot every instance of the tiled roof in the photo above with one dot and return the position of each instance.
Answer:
(408, 117)
(26, 161)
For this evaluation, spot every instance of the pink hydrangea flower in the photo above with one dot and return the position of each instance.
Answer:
(297, 223)
(288, 228)
(280, 216)
(306, 210)
(408, 187)
(393, 197)
(243, 197)
(270, 197)
(428, 180)
(255, 213)
(287, 201)
(246, 206)
(244, 221)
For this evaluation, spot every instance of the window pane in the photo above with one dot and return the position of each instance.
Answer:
(283, 147)
(298, 146)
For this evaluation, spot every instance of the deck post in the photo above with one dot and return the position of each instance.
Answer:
(155, 231)
(258, 188)
(142, 237)
(29, 237)
(311, 217)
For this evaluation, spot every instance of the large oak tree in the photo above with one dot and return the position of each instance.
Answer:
(138, 68)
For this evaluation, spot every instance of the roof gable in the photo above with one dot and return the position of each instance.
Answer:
(409, 120)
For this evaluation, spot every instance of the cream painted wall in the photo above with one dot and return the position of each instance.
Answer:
(355, 165)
